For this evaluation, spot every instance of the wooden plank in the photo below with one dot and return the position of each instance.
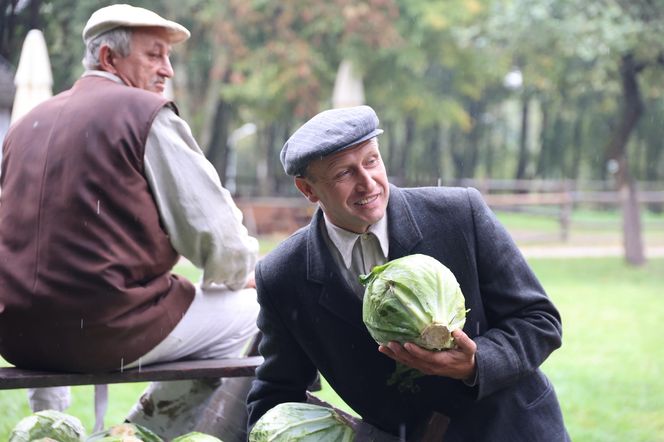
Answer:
(12, 377)
(534, 199)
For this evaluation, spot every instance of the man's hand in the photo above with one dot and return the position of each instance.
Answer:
(457, 363)
(251, 281)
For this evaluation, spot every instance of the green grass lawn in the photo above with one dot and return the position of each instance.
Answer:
(609, 373)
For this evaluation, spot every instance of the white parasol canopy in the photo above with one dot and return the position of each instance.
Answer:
(348, 88)
(33, 79)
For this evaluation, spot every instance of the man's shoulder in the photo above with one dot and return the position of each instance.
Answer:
(121, 92)
(439, 195)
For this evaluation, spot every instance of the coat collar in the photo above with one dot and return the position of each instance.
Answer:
(403, 231)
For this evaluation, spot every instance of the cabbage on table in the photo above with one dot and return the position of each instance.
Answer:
(196, 437)
(413, 299)
(301, 422)
(48, 424)
(126, 432)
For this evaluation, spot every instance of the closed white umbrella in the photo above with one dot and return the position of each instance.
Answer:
(348, 88)
(33, 79)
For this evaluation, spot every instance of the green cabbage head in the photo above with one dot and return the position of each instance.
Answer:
(301, 422)
(48, 424)
(413, 299)
(126, 432)
(196, 437)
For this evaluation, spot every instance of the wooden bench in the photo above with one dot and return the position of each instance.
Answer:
(13, 378)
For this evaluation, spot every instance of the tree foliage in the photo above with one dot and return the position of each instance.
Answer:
(434, 71)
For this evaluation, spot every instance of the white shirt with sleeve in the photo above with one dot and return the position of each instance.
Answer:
(198, 213)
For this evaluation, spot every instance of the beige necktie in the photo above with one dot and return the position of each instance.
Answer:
(360, 262)
(357, 258)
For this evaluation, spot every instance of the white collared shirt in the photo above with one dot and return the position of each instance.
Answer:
(375, 253)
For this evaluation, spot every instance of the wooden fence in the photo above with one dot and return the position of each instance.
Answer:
(553, 199)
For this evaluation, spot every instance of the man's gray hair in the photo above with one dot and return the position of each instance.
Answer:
(118, 39)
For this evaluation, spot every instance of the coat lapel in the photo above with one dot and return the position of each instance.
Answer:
(335, 294)
(403, 231)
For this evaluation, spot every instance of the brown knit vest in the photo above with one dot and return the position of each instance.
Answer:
(85, 282)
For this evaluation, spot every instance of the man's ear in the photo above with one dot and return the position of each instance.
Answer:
(305, 188)
(107, 60)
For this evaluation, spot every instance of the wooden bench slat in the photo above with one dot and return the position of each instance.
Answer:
(12, 377)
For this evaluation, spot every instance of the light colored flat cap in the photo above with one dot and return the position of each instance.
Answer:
(120, 15)
(326, 133)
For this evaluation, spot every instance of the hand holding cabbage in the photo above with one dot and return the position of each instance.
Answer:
(413, 305)
(456, 363)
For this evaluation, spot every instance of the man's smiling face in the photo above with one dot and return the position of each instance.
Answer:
(351, 186)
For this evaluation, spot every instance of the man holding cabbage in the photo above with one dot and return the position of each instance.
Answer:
(486, 387)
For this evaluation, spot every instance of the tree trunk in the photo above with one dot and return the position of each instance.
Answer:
(265, 172)
(477, 109)
(34, 21)
(496, 138)
(7, 27)
(280, 183)
(632, 110)
(523, 140)
(217, 147)
(403, 156)
(387, 145)
(456, 151)
(276, 142)
(435, 153)
(577, 138)
(542, 168)
(653, 156)
(632, 237)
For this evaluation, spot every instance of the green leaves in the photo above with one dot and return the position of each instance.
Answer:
(301, 422)
(51, 424)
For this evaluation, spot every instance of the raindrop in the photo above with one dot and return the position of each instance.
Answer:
(121, 365)
(81, 323)
(35, 124)
(97, 207)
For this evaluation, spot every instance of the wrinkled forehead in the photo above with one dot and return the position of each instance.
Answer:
(151, 35)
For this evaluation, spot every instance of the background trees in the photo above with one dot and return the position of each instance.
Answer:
(511, 89)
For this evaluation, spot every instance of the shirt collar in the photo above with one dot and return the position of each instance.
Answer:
(344, 240)
(105, 74)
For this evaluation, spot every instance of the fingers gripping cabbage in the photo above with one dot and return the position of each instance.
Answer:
(413, 299)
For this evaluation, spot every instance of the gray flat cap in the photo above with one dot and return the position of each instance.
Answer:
(328, 132)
